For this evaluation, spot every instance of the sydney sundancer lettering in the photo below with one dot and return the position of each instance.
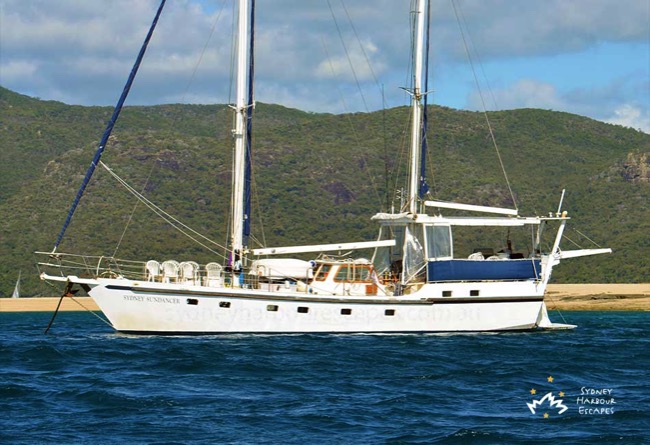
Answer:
(168, 300)
(152, 299)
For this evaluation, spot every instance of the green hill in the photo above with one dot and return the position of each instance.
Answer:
(318, 179)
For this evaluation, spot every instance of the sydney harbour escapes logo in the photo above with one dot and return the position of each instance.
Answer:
(554, 403)
(548, 404)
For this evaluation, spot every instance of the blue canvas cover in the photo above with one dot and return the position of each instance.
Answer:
(479, 270)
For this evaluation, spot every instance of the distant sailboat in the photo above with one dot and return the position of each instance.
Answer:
(16, 293)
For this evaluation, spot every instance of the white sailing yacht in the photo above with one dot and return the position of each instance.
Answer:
(415, 281)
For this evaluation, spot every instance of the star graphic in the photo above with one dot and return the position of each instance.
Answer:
(533, 391)
(550, 379)
(561, 394)
(546, 415)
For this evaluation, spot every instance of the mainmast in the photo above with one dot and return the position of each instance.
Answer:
(239, 131)
(416, 104)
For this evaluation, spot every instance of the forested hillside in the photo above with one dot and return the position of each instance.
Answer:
(318, 178)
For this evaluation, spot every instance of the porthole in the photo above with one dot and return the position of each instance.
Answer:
(192, 301)
(446, 293)
(474, 293)
(346, 311)
(272, 308)
(389, 312)
(224, 304)
(303, 309)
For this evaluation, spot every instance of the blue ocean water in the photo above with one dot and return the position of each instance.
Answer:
(83, 383)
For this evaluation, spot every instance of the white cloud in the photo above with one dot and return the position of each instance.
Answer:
(631, 116)
(81, 51)
(603, 103)
(507, 28)
(16, 70)
(340, 67)
(525, 93)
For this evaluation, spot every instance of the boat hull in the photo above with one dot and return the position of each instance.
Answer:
(138, 308)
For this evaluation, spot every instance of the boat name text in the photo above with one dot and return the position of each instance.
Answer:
(141, 299)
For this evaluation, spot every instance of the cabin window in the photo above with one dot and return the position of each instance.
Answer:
(346, 311)
(303, 309)
(474, 293)
(397, 233)
(323, 271)
(446, 293)
(343, 274)
(225, 304)
(272, 308)
(353, 273)
(439, 242)
(192, 301)
(389, 312)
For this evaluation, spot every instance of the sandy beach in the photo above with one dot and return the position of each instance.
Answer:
(46, 304)
(598, 297)
(564, 297)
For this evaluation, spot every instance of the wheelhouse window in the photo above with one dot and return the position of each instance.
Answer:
(322, 272)
(350, 273)
(439, 242)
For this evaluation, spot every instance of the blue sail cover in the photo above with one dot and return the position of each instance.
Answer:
(424, 187)
(480, 270)
(249, 131)
(109, 127)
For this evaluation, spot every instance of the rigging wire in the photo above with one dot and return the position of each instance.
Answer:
(256, 201)
(571, 241)
(594, 242)
(403, 153)
(174, 222)
(111, 124)
(347, 55)
(104, 320)
(205, 47)
(387, 171)
(480, 91)
(478, 57)
(176, 120)
(233, 52)
(363, 50)
(354, 130)
(135, 207)
(383, 104)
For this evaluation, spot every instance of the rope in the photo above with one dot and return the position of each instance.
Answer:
(135, 207)
(556, 308)
(79, 303)
(92, 312)
(571, 241)
(175, 223)
(480, 92)
(582, 234)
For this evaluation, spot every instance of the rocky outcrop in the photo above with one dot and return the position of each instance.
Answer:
(636, 168)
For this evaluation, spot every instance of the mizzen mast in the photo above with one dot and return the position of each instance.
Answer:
(416, 104)
(239, 130)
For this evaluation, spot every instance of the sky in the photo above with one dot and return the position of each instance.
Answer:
(588, 57)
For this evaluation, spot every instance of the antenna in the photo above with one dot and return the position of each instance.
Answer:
(559, 207)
